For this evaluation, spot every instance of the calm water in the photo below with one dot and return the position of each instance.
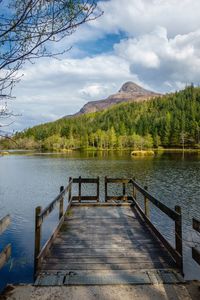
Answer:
(29, 180)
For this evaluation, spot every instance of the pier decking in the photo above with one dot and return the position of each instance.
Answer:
(109, 242)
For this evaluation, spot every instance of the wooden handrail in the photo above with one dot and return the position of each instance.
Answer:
(48, 209)
(124, 182)
(174, 253)
(80, 181)
(6, 252)
(40, 215)
(165, 209)
(175, 215)
(85, 180)
(196, 250)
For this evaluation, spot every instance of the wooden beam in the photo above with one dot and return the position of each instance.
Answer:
(175, 255)
(61, 208)
(37, 234)
(98, 189)
(79, 189)
(85, 180)
(47, 245)
(89, 198)
(101, 204)
(48, 209)
(178, 235)
(117, 180)
(123, 198)
(168, 211)
(106, 188)
(146, 204)
(4, 223)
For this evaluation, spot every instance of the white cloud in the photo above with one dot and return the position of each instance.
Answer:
(161, 51)
(138, 17)
(161, 61)
(52, 89)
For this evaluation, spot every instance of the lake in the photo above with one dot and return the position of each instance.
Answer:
(28, 180)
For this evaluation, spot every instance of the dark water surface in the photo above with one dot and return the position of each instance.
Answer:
(29, 180)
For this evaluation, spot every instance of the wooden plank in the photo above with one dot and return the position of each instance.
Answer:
(85, 180)
(102, 260)
(118, 180)
(4, 223)
(104, 252)
(122, 198)
(155, 255)
(89, 198)
(103, 266)
(105, 243)
(4, 255)
(105, 238)
(103, 204)
(196, 224)
(136, 238)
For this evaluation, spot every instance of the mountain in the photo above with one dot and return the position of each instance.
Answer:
(129, 92)
(172, 120)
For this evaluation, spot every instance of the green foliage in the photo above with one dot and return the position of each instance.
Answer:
(169, 121)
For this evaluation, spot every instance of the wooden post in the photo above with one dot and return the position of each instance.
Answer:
(146, 205)
(98, 189)
(70, 190)
(124, 191)
(37, 235)
(79, 189)
(134, 190)
(178, 236)
(106, 189)
(61, 208)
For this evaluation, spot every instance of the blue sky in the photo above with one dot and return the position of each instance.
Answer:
(155, 43)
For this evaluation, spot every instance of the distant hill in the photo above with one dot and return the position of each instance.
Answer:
(172, 120)
(129, 92)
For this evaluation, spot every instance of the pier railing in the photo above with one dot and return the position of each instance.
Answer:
(174, 215)
(196, 250)
(40, 216)
(80, 181)
(6, 252)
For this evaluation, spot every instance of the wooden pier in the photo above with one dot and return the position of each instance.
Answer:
(106, 241)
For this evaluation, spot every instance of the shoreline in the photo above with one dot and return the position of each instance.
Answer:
(70, 151)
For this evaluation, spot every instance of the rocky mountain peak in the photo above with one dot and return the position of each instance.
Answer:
(132, 88)
(129, 92)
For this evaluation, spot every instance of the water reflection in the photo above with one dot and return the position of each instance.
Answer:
(28, 180)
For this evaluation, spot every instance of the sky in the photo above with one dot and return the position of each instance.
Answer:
(154, 43)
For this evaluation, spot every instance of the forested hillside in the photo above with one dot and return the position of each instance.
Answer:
(172, 120)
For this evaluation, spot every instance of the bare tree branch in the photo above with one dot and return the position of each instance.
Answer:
(27, 27)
